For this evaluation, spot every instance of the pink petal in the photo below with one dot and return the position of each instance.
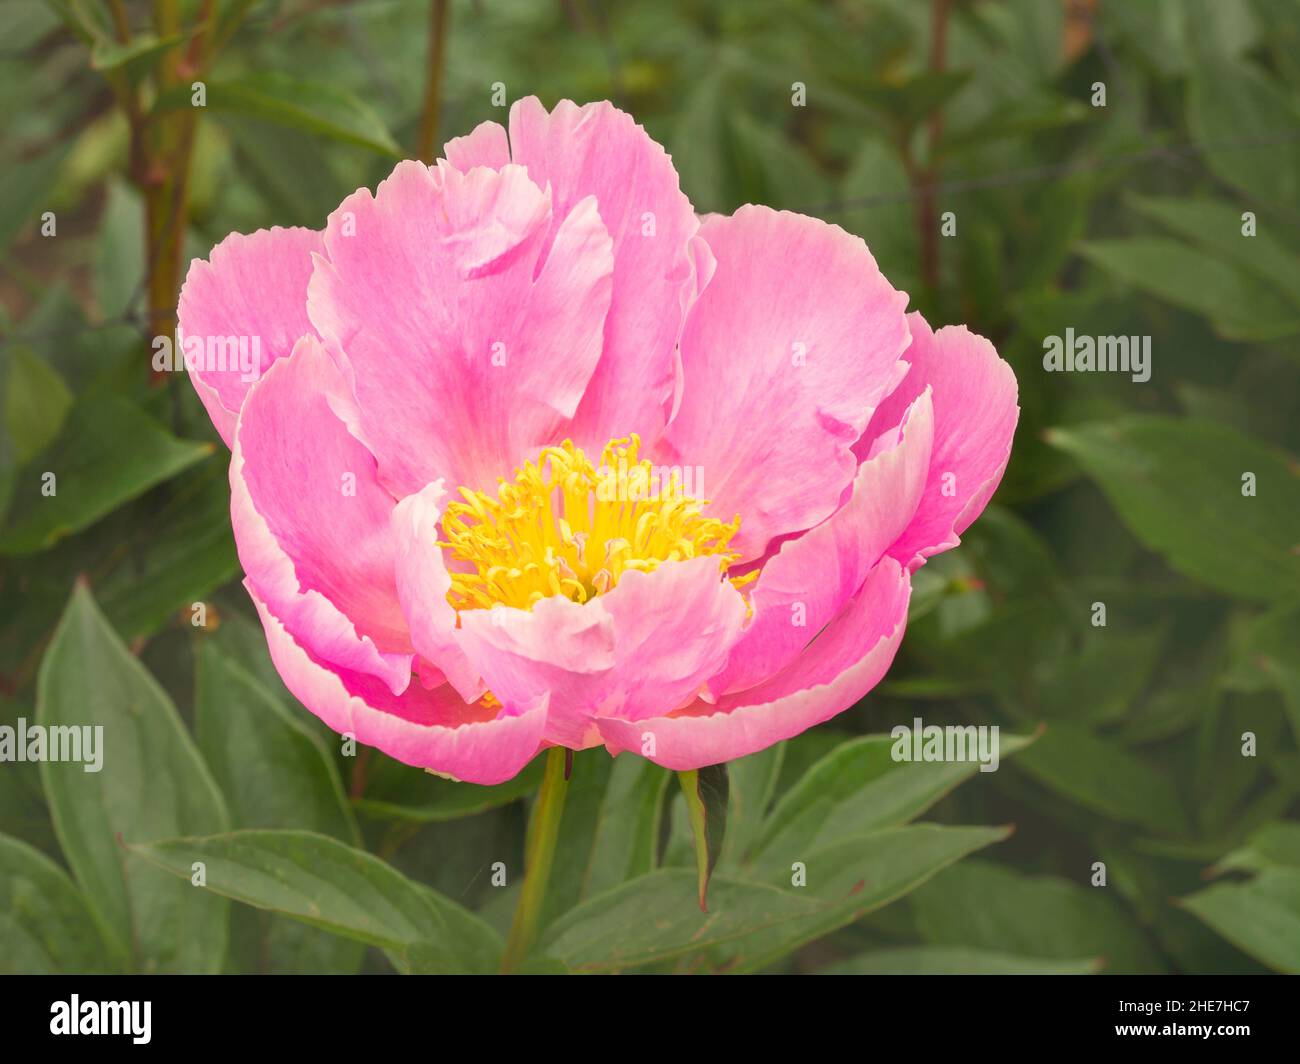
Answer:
(558, 646)
(422, 586)
(253, 288)
(599, 150)
(807, 582)
(840, 666)
(975, 416)
(433, 729)
(485, 145)
(644, 648)
(321, 557)
(785, 355)
(468, 350)
(673, 629)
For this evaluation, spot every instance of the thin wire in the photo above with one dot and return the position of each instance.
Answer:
(1173, 154)
(1038, 173)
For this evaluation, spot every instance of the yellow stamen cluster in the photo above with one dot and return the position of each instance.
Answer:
(564, 526)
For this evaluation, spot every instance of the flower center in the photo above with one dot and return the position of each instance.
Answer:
(564, 526)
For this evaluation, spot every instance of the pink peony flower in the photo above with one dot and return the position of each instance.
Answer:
(535, 456)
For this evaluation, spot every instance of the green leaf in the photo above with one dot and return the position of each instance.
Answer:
(442, 799)
(1217, 225)
(657, 917)
(706, 806)
(326, 884)
(36, 403)
(1275, 845)
(278, 774)
(134, 56)
(1177, 484)
(859, 787)
(852, 877)
(1057, 217)
(876, 191)
(1018, 118)
(86, 19)
(1244, 125)
(291, 170)
(120, 253)
(1146, 884)
(1212, 30)
(241, 636)
(1102, 682)
(727, 158)
(151, 784)
(981, 905)
(1272, 640)
(229, 17)
(1283, 36)
(184, 551)
(1241, 306)
(27, 24)
(24, 192)
(1104, 777)
(108, 453)
(698, 145)
(769, 167)
(627, 832)
(311, 106)
(1261, 917)
(45, 926)
(901, 105)
(956, 960)
(751, 786)
(1227, 784)
(262, 943)
(23, 811)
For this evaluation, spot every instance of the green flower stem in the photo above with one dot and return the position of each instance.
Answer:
(539, 854)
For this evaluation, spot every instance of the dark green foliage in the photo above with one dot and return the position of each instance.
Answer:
(1169, 751)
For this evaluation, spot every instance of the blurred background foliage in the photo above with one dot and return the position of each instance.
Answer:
(1122, 219)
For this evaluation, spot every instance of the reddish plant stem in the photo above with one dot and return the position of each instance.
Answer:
(162, 158)
(427, 144)
(926, 180)
(357, 785)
